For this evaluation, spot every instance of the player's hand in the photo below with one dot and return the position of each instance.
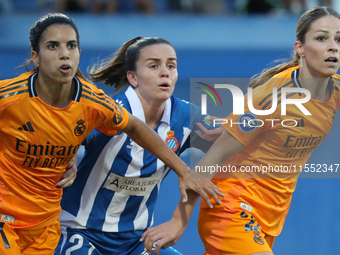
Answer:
(201, 185)
(70, 174)
(163, 235)
(209, 135)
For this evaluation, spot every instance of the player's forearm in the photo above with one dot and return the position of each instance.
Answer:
(183, 211)
(225, 147)
(147, 138)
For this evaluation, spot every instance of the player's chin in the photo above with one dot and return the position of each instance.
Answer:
(66, 79)
(163, 98)
(331, 72)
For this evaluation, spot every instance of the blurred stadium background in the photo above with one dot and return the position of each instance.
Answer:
(230, 42)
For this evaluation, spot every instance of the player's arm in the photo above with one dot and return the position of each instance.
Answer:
(169, 232)
(225, 147)
(147, 138)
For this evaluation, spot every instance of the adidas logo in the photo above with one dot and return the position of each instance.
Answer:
(300, 123)
(27, 127)
(8, 218)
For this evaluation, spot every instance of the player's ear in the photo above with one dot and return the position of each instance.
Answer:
(299, 49)
(35, 58)
(131, 76)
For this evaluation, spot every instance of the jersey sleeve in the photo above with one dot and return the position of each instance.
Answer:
(121, 100)
(247, 126)
(116, 119)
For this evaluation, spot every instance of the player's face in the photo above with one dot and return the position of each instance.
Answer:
(59, 54)
(320, 52)
(156, 73)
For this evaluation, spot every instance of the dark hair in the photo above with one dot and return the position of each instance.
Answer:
(113, 70)
(40, 26)
(303, 26)
(45, 21)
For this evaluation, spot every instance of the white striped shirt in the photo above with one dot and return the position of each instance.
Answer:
(118, 181)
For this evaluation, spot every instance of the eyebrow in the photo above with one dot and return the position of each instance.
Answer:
(324, 31)
(158, 59)
(56, 42)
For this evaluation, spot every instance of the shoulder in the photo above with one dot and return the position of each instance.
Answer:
(21, 79)
(286, 73)
(177, 102)
(122, 100)
(336, 87)
(185, 110)
(284, 78)
(182, 107)
(263, 96)
(15, 89)
(94, 96)
(89, 86)
(280, 80)
(336, 82)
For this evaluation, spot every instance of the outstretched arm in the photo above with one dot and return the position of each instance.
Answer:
(147, 138)
(169, 232)
(225, 147)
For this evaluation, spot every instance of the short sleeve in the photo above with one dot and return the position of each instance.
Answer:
(116, 119)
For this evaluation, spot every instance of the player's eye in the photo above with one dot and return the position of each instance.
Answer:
(72, 45)
(171, 66)
(52, 46)
(320, 38)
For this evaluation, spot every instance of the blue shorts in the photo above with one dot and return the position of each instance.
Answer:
(94, 242)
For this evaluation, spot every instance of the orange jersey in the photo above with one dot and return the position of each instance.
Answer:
(37, 141)
(270, 143)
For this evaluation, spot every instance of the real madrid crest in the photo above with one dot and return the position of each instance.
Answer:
(171, 141)
(80, 128)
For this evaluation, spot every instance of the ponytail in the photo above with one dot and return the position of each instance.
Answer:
(112, 70)
(266, 74)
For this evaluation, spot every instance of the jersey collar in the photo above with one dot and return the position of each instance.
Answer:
(137, 108)
(33, 92)
(296, 80)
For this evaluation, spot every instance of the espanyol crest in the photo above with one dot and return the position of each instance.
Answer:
(171, 141)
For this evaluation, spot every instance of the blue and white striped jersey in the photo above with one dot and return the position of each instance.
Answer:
(118, 181)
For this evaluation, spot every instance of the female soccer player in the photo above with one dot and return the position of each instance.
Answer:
(112, 201)
(253, 210)
(45, 115)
